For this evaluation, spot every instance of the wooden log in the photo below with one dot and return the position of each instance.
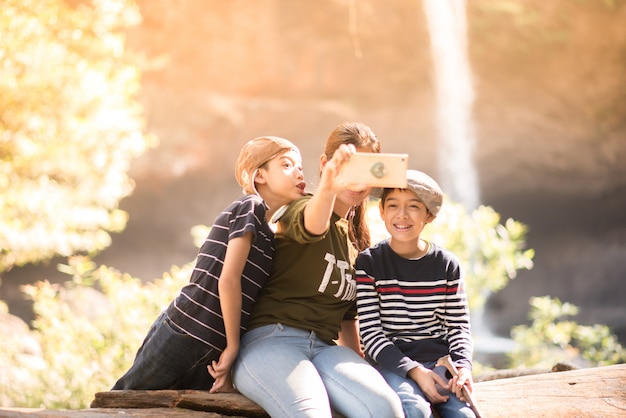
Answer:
(593, 392)
(136, 399)
(224, 403)
(589, 392)
(506, 373)
(109, 413)
(228, 404)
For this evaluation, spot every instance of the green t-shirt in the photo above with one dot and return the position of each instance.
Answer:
(312, 283)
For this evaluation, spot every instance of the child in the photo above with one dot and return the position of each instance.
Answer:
(412, 305)
(290, 363)
(202, 325)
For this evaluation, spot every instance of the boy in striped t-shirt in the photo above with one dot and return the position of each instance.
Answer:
(412, 305)
(195, 340)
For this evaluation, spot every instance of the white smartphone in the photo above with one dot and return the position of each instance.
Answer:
(375, 170)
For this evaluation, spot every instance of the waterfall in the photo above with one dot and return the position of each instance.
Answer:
(455, 95)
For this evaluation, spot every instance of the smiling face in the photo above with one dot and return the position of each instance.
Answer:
(405, 216)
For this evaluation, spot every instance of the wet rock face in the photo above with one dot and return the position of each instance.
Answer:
(548, 112)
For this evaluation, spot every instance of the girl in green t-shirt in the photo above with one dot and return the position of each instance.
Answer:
(301, 355)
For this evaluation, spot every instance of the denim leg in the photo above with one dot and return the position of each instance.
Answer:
(414, 402)
(356, 389)
(168, 359)
(274, 369)
(454, 408)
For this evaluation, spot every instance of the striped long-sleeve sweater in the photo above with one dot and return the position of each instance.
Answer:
(412, 311)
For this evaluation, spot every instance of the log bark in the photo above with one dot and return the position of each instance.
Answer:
(593, 392)
(224, 403)
(110, 413)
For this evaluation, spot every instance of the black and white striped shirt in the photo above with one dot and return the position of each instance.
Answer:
(412, 311)
(196, 309)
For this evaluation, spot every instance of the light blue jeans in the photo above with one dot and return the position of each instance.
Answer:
(414, 401)
(291, 373)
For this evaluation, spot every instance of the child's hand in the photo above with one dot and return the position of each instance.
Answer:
(319, 209)
(464, 378)
(428, 381)
(332, 168)
(222, 384)
(220, 371)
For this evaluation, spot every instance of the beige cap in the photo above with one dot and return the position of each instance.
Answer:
(424, 186)
(254, 154)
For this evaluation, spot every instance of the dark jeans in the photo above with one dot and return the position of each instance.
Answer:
(169, 359)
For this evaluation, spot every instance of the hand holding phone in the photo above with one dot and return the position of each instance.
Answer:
(375, 170)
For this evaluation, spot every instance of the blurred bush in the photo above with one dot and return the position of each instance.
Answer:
(88, 338)
(70, 124)
(552, 339)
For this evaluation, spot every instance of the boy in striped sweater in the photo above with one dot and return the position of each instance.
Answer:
(412, 305)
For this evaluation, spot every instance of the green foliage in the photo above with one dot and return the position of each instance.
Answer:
(19, 356)
(88, 339)
(69, 126)
(550, 338)
(490, 252)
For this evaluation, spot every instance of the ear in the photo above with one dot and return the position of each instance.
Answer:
(323, 161)
(381, 208)
(430, 218)
(259, 176)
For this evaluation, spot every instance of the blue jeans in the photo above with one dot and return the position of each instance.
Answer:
(292, 373)
(415, 403)
(169, 359)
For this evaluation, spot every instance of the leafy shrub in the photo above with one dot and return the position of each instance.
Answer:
(88, 339)
(70, 126)
(550, 338)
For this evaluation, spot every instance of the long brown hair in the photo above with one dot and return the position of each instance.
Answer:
(362, 137)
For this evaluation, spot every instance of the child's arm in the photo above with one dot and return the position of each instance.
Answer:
(349, 336)
(320, 208)
(459, 336)
(457, 317)
(229, 286)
